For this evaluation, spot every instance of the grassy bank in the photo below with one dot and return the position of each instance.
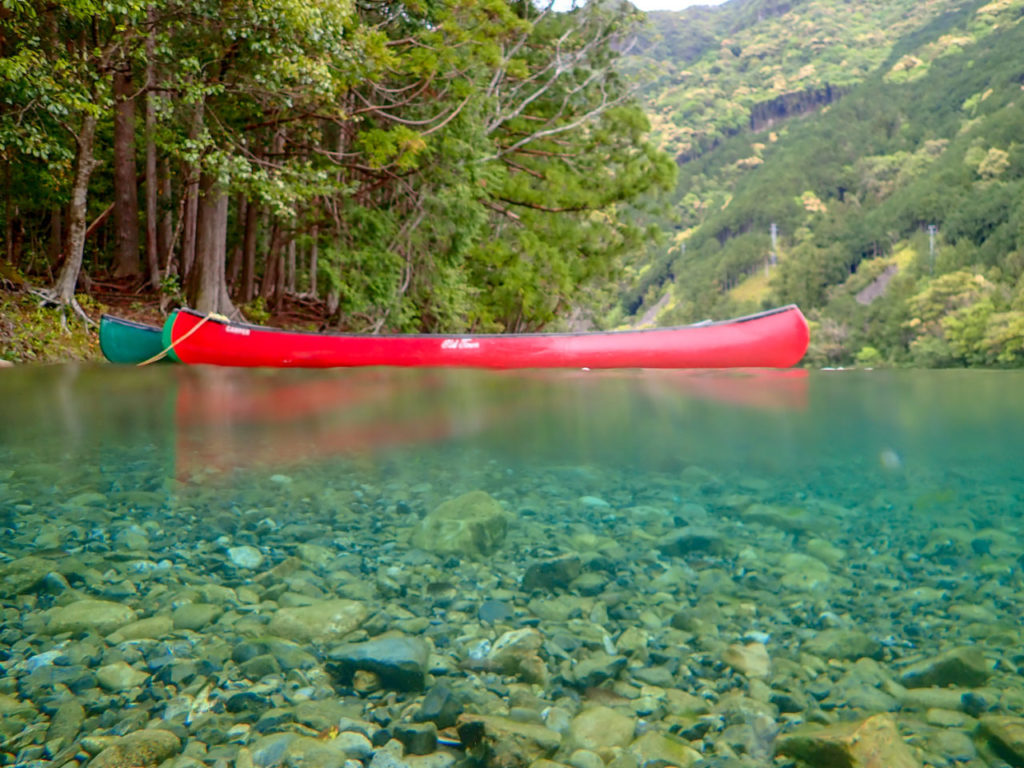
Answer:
(32, 333)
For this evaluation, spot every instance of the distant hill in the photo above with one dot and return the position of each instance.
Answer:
(854, 128)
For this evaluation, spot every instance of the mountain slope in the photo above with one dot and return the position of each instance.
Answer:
(926, 133)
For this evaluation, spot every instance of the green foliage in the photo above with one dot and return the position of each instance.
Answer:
(926, 133)
(33, 333)
(466, 163)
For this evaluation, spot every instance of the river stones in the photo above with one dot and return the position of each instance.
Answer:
(101, 616)
(141, 749)
(751, 659)
(502, 741)
(23, 575)
(195, 616)
(958, 666)
(65, 724)
(849, 644)
(417, 738)
(869, 743)
(515, 653)
(246, 557)
(472, 525)
(440, 706)
(399, 661)
(654, 748)
(322, 621)
(1005, 736)
(152, 628)
(554, 573)
(597, 727)
(119, 676)
(693, 539)
(308, 752)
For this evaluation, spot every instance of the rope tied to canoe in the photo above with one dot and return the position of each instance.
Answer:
(163, 353)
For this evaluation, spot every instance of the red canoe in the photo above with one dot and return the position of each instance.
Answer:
(773, 339)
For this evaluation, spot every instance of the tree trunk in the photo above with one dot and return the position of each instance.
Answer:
(85, 162)
(188, 235)
(290, 281)
(165, 229)
(207, 283)
(235, 264)
(56, 234)
(274, 267)
(126, 197)
(188, 238)
(252, 222)
(314, 252)
(152, 190)
(8, 216)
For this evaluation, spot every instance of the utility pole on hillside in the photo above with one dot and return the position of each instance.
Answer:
(773, 254)
(932, 229)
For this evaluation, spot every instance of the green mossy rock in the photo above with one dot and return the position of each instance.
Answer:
(1006, 737)
(472, 525)
(101, 616)
(142, 749)
(323, 621)
(869, 743)
(959, 666)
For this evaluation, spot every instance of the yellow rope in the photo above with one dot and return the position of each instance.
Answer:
(163, 353)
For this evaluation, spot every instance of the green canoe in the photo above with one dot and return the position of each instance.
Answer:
(125, 341)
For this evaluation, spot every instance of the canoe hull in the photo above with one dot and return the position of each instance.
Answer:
(774, 339)
(127, 342)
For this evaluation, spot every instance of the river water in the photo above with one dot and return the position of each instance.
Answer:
(243, 559)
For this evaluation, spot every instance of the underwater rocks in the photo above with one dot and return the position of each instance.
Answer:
(398, 661)
(472, 525)
(102, 616)
(322, 621)
(141, 749)
(957, 666)
(618, 623)
(872, 742)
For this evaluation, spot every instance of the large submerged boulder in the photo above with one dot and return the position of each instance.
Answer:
(472, 525)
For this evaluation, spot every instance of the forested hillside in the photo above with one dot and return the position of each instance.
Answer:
(883, 141)
(440, 165)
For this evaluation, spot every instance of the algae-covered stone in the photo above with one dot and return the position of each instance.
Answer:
(802, 571)
(847, 644)
(65, 725)
(195, 616)
(119, 676)
(596, 668)
(691, 539)
(870, 743)
(654, 749)
(751, 659)
(515, 653)
(152, 628)
(322, 621)
(553, 573)
(101, 616)
(472, 525)
(505, 742)
(309, 752)
(141, 749)
(1005, 735)
(597, 727)
(958, 666)
(22, 575)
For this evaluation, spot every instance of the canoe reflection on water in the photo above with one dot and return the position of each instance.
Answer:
(230, 419)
